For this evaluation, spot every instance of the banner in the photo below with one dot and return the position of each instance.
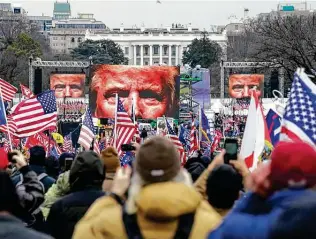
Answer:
(40, 139)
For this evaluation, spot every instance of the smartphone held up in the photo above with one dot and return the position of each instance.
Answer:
(231, 148)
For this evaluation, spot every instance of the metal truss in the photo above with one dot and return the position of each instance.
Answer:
(64, 64)
(37, 62)
(246, 64)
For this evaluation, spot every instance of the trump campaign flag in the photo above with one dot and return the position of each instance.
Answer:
(273, 120)
(299, 120)
(256, 135)
(26, 92)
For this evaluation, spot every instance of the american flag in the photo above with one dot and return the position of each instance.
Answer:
(102, 144)
(11, 125)
(8, 90)
(299, 121)
(125, 128)
(137, 134)
(175, 140)
(67, 146)
(26, 92)
(36, 115)
(194, 145)
(87, 133)
(6, 146)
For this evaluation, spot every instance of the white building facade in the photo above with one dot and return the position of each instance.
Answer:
(151, 46)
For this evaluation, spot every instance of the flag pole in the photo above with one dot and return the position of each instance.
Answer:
(115, 121)
(200, 124)
(133, 112)
(6, 120)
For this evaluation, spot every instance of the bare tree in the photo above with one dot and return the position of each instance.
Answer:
(18, 40)
(289, 41)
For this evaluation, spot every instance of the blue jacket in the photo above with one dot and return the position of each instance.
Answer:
(254, 217)
(46, 181)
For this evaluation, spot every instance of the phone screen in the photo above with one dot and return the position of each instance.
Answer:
(231, 148)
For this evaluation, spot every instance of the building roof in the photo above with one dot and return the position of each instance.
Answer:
(62, 7)
(40, 18)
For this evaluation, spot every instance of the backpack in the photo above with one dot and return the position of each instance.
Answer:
(37, 221)
(183, 231)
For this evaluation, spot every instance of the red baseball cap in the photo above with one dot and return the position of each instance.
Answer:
(293, 164)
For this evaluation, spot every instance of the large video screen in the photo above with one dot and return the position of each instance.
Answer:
(155, 90)
(241, 85)
(67, 85)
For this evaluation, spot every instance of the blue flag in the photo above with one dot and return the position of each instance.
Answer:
(3, 119)
(274, 126)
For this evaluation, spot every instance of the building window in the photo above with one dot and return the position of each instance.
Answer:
(156, 50)
(174, 50)
(72, 39)
(146, 50)
(79, 39)
(165, 50)
(146, 63)
(126, 50)
(236, 27)
(137, 50)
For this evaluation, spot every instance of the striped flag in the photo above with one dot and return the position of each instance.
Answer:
(87, 133)
(194, 145)
(8, 90)
(67, 146)
(299, 120)
(26, 92)
(36, 115)
(125, 128)
(11, 125)
(175, 140)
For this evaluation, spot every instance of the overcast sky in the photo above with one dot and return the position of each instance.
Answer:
(200, 14)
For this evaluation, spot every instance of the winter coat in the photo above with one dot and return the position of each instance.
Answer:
(57, 191)
(46, 181)
(13, 228)
(66, 212)
(159, 207)
(254, 217)
(85, 178)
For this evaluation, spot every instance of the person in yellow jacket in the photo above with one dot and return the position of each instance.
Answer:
(161, 201)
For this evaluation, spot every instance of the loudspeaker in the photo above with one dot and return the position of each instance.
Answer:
(104, 121)
(38, 81)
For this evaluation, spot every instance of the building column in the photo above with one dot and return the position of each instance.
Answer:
(150, 55)
(177, 55)
(135, 59)
(160, 54)
(169, 62)
(141, 55)
(181, 54)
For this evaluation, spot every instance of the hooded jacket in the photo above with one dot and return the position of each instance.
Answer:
(57, 191)
(255, 217)
(155, 203)
(85, 179)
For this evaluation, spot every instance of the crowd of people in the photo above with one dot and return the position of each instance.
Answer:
(90, 196)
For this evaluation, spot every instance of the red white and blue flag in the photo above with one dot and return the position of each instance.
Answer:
(36, 114)
(175, 140)
(124, 126)
(88, 133)
(8, 90)
(299, 120)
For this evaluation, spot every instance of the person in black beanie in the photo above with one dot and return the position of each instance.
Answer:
(223, 187)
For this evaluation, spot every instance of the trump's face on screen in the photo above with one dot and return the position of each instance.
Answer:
(68, 85)
(151, 88)
(241, 85)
